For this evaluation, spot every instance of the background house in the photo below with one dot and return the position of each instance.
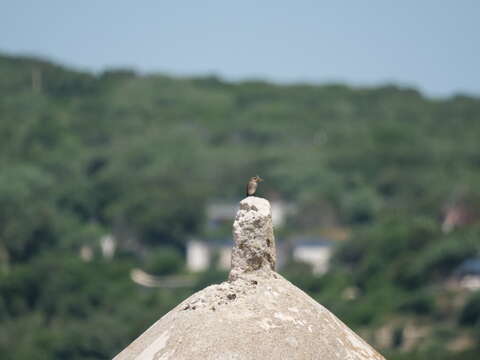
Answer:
(316, 252)
(313, 251)
(201, 255)
(467, 275)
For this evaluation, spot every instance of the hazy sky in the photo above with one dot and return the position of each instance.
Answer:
(433, 45)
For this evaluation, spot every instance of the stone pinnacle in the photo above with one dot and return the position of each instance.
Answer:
(253, 253)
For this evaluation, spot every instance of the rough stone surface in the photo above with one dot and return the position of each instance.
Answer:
(257, 314)
(254, 249)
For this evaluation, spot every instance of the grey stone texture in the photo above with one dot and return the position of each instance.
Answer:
(254, 249)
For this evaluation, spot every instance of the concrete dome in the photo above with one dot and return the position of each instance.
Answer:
(257, 314)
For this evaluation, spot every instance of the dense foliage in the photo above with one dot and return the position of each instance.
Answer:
(138, 156)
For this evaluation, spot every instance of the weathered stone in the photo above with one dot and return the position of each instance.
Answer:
(257, 314)
(254, 250)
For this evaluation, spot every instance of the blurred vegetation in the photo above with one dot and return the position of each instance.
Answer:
(165, 261)
(139, 156)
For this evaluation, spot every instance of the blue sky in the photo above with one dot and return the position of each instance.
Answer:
(431, 45)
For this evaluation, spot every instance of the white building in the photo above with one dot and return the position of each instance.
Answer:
(316, 253)
(198, 255)
(201, 254)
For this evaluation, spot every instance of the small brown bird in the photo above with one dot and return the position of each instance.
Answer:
(252, 185)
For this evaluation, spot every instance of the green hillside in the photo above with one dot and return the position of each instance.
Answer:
(138, 156)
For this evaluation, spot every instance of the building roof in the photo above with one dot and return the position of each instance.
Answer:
(256, 314)
(311, 241)
(244, 320)
(469, 267)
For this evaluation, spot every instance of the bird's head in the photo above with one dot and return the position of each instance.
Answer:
(256, 178)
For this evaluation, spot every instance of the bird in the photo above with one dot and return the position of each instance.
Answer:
(252, 185)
